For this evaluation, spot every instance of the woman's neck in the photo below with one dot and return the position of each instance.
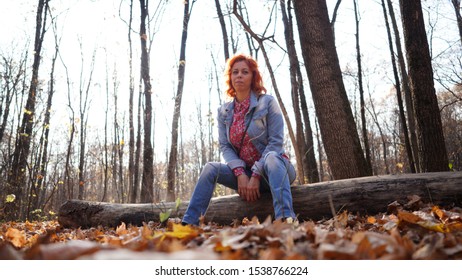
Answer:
(241, 96)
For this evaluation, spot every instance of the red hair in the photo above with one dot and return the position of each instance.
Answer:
(257, 81)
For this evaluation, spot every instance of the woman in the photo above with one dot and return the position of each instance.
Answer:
(251, 133)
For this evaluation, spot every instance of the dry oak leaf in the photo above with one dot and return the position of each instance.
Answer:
(16, 237)
(178, 231)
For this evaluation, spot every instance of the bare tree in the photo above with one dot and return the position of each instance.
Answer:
(84, 92)
(402, 116)
(260, 41)
(13, 76)
(38, 187)
(136, 173)
(105, 161)
(334, 17)
(133, 189)
(432, 149)
(337, 125)
(304, 140)
(171, 169)
(223, 29)
(148, 176)
(456, 5)
(361, 92)
(383, 137)
(406, 88)
(17, 178)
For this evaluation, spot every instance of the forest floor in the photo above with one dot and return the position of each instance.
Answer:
(412, 231)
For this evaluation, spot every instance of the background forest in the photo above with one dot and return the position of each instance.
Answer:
(116, 100)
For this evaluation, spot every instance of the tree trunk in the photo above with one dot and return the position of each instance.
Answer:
(382, 136)
(334, 17)
(105, 160)
(293, 61)
(367, 195)
(83, 107)
(320, 152)
(148, 176)
(223, 29)
(361, 93)
(132, 189)
(304, 139)
(11, 82)
(136, 174)
(172, 162)
(17, 177)
(432, 148)
(338, 128)
(314, 174)
(39, 180)
(402, 116)
(67, 167)
(406, 89)
(456, 4)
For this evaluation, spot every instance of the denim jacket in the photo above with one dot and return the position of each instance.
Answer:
(266, 130)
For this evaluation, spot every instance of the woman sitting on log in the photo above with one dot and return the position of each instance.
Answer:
(251, 134)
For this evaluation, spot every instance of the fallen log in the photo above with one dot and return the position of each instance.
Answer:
(366, 195)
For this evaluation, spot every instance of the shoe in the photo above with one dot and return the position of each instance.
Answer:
(290, 221)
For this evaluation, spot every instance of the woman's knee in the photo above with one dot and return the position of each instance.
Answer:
(210, 169)
(272, 158)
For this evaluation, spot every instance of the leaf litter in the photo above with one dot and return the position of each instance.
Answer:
(411, 231)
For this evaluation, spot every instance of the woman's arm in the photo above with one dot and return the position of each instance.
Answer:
(227, 150)
(275, 129)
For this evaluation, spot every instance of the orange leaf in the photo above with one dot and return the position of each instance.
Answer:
(438, 213)
(220, 248)
(342, 219)
(16, 237)
(371, 220)
(122, 229)
(408, 217)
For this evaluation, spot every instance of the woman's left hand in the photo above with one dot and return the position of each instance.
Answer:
(253, 189)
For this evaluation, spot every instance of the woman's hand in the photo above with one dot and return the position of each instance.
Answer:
(253, 189)
(242, 182)
(248, 189)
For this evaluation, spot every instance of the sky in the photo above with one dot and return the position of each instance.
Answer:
(97, 25)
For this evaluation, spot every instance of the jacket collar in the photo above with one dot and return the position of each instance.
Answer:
(253, 102)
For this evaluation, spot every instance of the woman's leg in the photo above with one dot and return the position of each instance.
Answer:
(277, 177)
(213, 173)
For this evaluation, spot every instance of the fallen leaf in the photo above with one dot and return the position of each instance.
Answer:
(408, 217)
(122, 229)
(371, 220)
(16, 237)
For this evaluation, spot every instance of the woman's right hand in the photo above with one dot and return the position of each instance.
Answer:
(242, 183)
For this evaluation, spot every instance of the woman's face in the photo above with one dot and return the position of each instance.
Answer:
(241, 77)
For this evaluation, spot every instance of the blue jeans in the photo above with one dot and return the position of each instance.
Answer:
(276, 178)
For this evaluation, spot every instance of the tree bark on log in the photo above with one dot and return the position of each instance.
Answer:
(366, 195)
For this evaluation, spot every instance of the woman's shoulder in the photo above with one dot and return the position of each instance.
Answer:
(265, 97)
(226, 106)
(265, 100)
(224, 109)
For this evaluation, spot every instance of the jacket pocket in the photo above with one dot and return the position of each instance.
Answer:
(258, 126)
(259, 118)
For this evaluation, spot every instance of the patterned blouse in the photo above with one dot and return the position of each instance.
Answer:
(247, 152)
